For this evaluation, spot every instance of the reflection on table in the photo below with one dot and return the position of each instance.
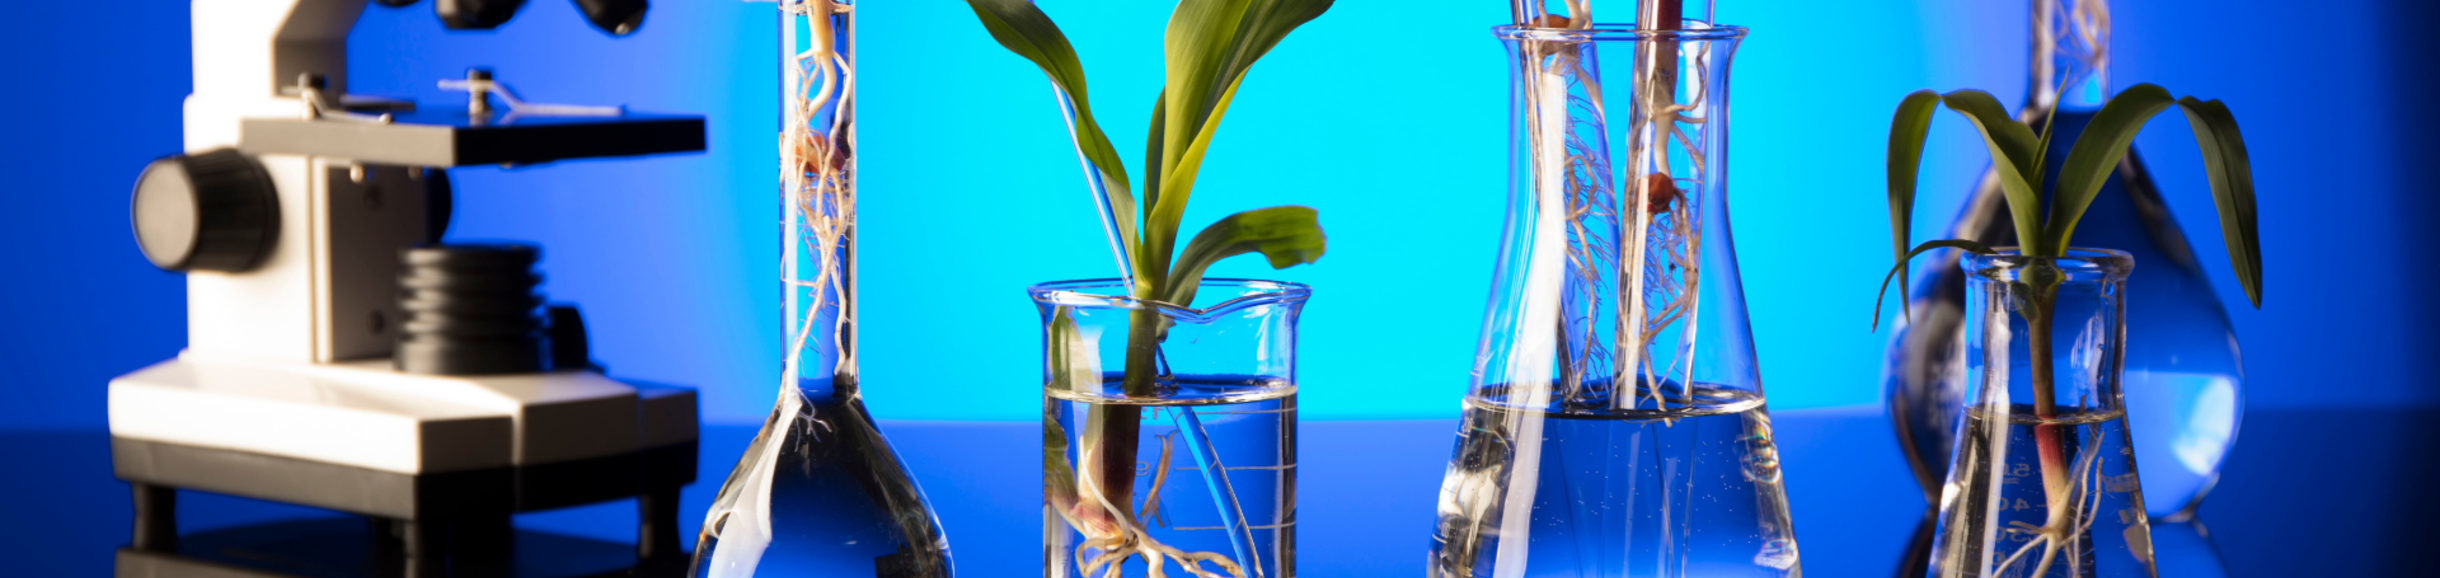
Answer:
(2306, 493)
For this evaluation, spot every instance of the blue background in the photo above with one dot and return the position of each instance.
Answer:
(1387, 116)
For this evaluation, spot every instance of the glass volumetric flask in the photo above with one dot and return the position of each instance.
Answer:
(2182, 382)
(819, 492)
(1615, 425)
(2043, 481)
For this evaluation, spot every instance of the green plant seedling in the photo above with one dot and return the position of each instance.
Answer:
(2045, 231)
(1209, 46)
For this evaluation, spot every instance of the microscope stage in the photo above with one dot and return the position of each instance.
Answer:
(450, 138)
(363, 414)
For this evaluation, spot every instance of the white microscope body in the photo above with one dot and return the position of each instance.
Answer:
(287, 390)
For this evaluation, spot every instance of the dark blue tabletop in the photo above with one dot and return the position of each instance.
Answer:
(2306, 493)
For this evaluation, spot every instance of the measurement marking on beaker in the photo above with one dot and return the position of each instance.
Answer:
(1193, 468)
(1247, 412)
(1261, 527)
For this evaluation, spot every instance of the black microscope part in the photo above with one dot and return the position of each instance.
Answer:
(475, 14)
(210, 211)
(570, 349)
(473, 258)
(470, 310)
(617, 17)
(438, 203)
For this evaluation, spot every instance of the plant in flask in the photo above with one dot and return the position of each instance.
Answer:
(1104, 517)
(2182, 375)
(1616, 423)
(819, 491)
(2042, 481)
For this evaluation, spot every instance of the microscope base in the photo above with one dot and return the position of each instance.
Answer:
(348, 548)
(421, 523)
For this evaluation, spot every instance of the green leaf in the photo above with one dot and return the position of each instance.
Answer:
(2015, 150)
(2096, 155)
(1152, 154)
(1958, 244)
(2232, 188)
(1026, 31)
(1906, 132)
(1161, 223)
(1288, 236)
(1210, 45)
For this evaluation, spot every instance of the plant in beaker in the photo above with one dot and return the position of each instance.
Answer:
(1091, 488)
(2026, 292)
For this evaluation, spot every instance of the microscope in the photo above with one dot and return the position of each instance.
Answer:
(340, 356)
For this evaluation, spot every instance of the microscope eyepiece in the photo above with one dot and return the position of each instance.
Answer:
(617, 17)
(475, 14)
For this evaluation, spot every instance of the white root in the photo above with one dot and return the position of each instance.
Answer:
(2063, 524)
(814, 172)
(1112, 546)
(1660, 266)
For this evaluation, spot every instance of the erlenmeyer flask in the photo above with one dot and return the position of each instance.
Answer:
(2182, 372)
(819, 492)
(1615, 426)
(2043, 483)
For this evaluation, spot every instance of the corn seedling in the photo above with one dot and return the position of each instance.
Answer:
(1209, 45)
(2045, 232)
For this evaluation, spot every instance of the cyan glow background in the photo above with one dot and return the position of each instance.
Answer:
(1388, 116)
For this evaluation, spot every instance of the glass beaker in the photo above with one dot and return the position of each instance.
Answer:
(819, 492)
(2043, 479)
(1201, 473)
(1615, 425)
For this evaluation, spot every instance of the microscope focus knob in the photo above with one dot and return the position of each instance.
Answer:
(210, 211)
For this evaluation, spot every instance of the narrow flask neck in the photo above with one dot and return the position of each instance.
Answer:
(2071, 54)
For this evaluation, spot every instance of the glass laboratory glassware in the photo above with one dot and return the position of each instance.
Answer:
(1615, 425)
(1204, 484)
(2043, 482)
(819, 492)
(2182, 372)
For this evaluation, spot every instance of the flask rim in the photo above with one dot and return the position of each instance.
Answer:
(1694, 30)
(2079, 264)
(1112, 293)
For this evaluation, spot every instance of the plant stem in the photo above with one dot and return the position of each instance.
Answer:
(2048, 437)
(1121, 424)
(2038, 321)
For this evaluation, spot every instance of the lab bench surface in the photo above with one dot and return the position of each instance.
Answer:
(2305, 493)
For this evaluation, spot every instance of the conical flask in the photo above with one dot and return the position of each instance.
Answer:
(2182, 372)
(819, 492)
(1615, 425)
(2043, 484)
